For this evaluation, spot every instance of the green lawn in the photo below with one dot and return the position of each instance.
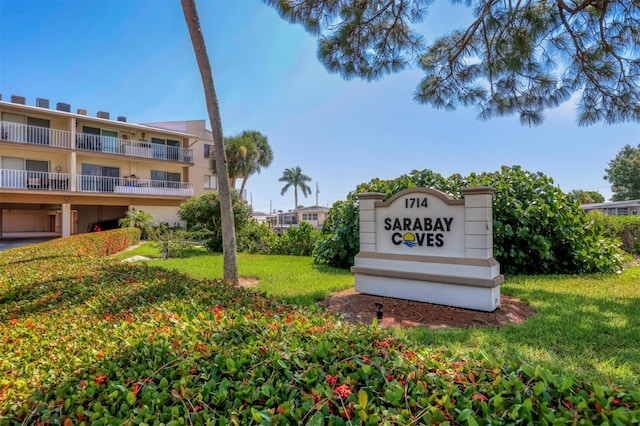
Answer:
(292, 278)
(585, 324)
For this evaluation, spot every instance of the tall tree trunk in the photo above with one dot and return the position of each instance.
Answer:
(244, 183)
(224, 191)
(295, 196)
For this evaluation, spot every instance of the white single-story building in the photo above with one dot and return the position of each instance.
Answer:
(614, 208)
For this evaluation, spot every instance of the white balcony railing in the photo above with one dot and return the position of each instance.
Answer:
(132, 148)
(46, 181)
(35, 135)
(16, 132)
(25, 179)
(119, 185)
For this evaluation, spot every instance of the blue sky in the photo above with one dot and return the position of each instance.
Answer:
(134, 58)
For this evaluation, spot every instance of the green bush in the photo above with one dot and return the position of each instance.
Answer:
(173, 242)
(624, 228)
(203, 214)
(297, 241)
(537, 228)
(256, 238)
(340, 239)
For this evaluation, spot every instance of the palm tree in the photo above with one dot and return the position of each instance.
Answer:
(230, 269)
(247, 154)
(238, 152)
(294, 177)
(137, 219)
(260, 157)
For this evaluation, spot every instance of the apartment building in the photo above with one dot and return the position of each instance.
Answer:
(62, 170)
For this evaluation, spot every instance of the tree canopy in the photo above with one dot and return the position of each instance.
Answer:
(247, 154)
(294, 177)
(624, 174)
(586, 197)
(519, 57)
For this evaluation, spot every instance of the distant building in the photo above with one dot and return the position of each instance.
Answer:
(314, 215)
(261, 217)
(615, 208)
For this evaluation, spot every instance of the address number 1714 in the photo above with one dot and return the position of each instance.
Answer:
(415, 202)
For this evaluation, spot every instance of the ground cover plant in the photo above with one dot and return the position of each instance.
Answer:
(602, 307)
(101, 342)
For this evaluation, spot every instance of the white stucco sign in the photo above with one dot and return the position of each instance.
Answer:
(423, 245)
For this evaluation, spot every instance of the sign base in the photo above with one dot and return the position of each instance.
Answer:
(462, 296)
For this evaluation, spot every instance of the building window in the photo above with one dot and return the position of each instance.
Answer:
(165, 148)
(165, 179)
(208, 150)
(309, 216)
(166, 176)
(210, 182)
(97, 178)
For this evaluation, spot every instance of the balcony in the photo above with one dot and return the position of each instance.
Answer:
(143, 149)
(117, 185)
(25, 179)
(34, 135)
(46, 181)
(43, 136)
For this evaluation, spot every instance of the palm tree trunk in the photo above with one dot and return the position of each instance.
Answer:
(295, 196)
(226, 209)
(244, 183)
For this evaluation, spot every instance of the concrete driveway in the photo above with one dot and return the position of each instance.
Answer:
(9, 243)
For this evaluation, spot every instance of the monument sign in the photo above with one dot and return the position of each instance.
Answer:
(423, 245)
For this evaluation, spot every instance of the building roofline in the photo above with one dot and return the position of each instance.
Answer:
(627, 203)
(313, 208)
(139, 127)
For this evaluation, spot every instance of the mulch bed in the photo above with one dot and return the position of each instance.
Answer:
(359, 308)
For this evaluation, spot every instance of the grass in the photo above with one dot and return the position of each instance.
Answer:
(295, 279)
(585, 324)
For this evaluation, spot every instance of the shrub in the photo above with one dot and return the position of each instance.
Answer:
(624, 228)
(297, 241)
(256, 238)
(172, 242)
(339, 240)
(203, 214)
(537, 228)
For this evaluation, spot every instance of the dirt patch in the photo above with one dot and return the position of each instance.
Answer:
(360, 308)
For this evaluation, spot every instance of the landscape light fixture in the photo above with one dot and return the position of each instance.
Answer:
(379, 313)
